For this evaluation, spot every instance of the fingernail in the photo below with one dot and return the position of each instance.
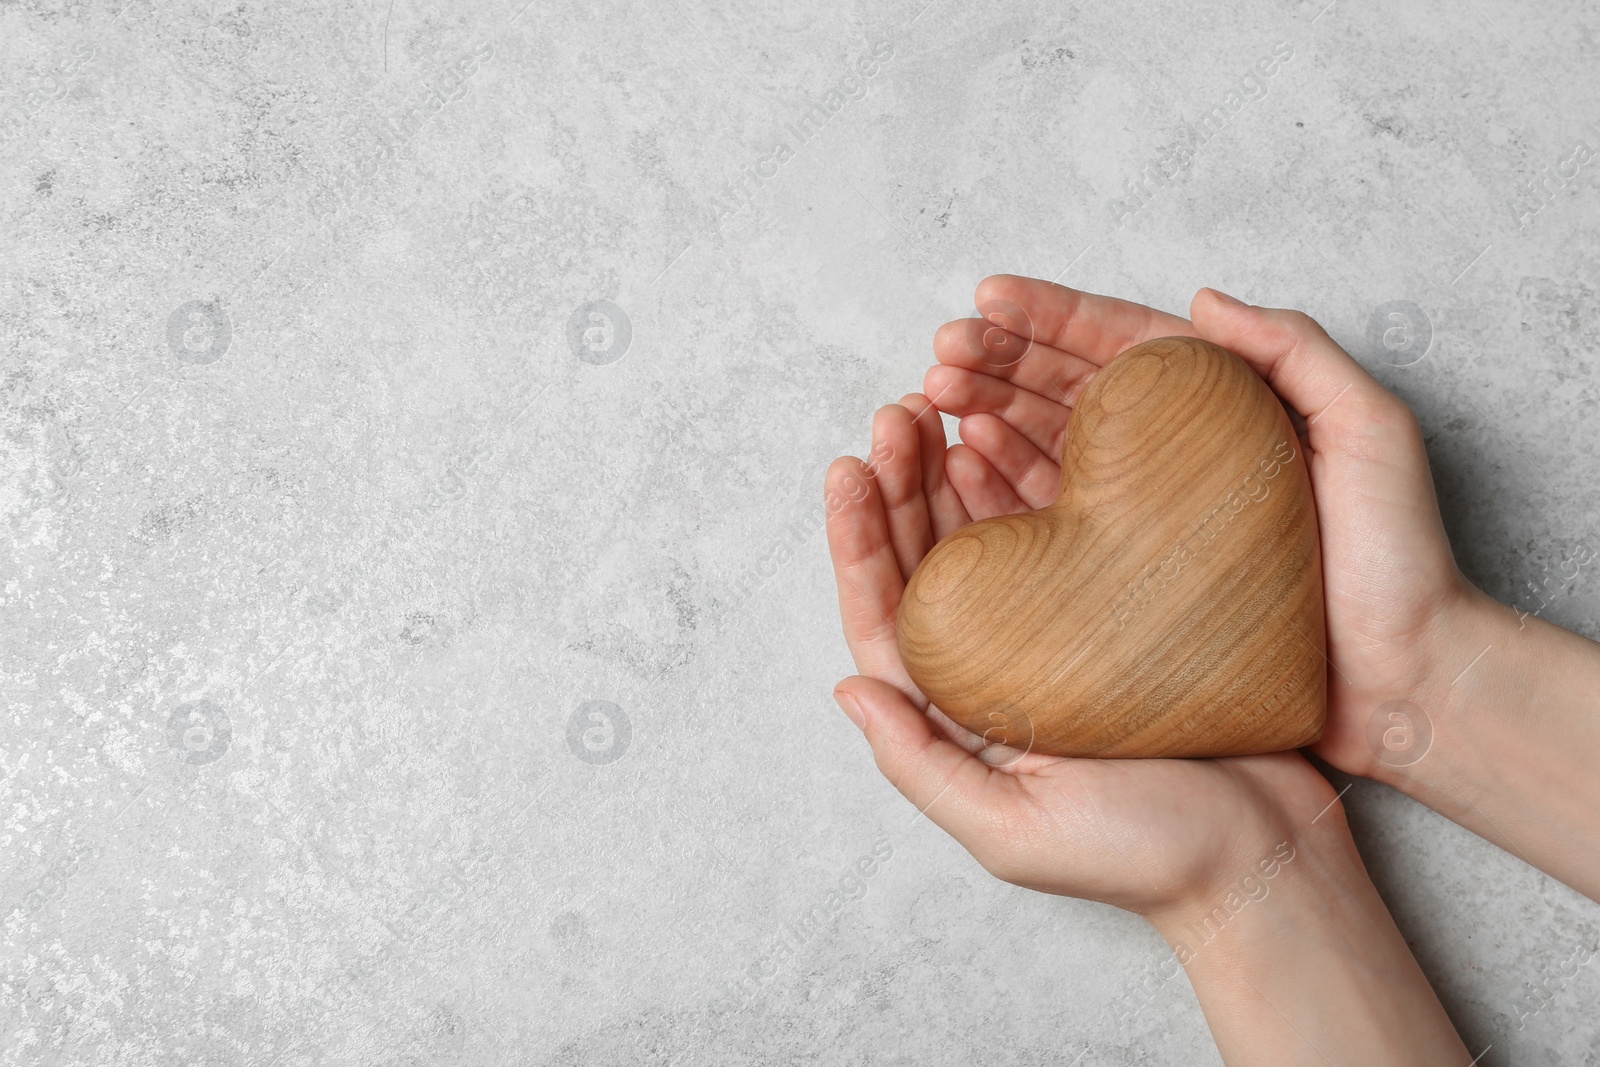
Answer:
(851, 708)
(1226, 299)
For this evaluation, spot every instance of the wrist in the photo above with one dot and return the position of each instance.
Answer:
(1431, 728)
(1261, 889)
(1490, 668)
(1273, 800)
(1511, 723)
(1312, 966)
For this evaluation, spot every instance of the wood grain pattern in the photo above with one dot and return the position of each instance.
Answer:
(1169, 603)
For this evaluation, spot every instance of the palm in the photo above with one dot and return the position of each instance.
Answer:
(1378, 602)
(1138, 833)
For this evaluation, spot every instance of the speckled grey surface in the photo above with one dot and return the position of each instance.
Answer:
(417, 633)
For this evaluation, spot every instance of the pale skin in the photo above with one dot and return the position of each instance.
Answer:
(1316, 972)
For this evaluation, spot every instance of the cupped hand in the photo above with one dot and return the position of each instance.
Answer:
(1151, 836)
(1393, 591)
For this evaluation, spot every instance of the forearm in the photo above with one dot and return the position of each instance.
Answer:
(1515, 738)
(1314, 971)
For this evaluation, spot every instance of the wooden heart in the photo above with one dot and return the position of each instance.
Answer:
(1169, 603)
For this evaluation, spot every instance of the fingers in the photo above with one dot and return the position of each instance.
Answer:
(867, 573)
(1048, 372)
(953, 731)
(1046, 341)
(1093, 328)
(946, 513)
(946, 783)
(964, 392)
(1294, 354)
(984, 492)
(896, 465)
(1032, 475)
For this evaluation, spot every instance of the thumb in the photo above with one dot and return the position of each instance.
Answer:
(1369, 437)
(951, 786)
(1297, 358)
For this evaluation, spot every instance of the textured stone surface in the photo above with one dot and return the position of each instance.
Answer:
(325, 528)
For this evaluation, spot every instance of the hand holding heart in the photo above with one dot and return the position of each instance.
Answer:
(1143, 834)
(1168, 603)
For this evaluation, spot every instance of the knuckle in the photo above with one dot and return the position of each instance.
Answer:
(1397, 415)
(1299, 322)
(871, 625)
(1381, 423)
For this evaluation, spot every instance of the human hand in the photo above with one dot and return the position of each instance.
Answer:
(1176, 841)
(1187, 843)
(1395, 599)
(1153, 836)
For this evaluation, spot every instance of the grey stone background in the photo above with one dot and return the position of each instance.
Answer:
(406, 661)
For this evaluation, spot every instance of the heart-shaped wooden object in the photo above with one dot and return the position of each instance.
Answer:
(1169, 603)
